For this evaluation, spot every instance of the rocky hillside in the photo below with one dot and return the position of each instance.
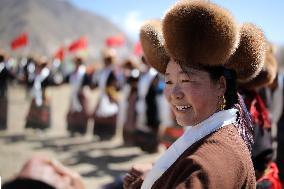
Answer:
(51, 23)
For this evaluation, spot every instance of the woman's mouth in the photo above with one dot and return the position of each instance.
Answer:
(182, 108)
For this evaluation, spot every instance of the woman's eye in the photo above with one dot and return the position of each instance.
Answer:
(168, 82)
(185, 80)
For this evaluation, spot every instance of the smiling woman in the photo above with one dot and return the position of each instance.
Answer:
(202, 52)
(188, 92)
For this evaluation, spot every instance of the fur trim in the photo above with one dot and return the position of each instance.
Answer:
(267, 74)
(152, 42)
(249, 57)
(199, 33)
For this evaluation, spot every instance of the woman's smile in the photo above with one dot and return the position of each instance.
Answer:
(183, 108)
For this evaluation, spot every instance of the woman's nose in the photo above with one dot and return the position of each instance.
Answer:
(177, 92)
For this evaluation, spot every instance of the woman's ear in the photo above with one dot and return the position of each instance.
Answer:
(222, 85)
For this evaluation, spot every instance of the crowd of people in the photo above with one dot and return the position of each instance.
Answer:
(206, 88)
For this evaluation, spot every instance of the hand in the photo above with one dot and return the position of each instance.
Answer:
(51, 172)
(135, 177)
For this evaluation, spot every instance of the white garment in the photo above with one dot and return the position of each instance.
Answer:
(190, 136)
(2, 66)
(102, 77)
(106, 107)
(37, 89)
(76, 80)
(143, 86)
(123, 105)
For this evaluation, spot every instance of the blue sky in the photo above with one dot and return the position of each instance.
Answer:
(129, 14)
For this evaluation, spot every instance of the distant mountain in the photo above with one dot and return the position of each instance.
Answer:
(51, 23)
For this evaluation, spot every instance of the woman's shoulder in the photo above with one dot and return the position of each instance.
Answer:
(220, 160)
(221, 155)
(224, 144)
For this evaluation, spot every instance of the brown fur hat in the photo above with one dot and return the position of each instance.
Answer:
(152, 42)
(267, 74)
(199, 33)
(249, 57)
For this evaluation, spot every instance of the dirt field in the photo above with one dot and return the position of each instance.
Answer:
(98, 162)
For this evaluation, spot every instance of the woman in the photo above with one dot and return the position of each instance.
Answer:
(5, 75)
(77, 117)
(266, 170)
(39, 114)
(128, 115)
(148, 110)
(106, 111)
(206, 51)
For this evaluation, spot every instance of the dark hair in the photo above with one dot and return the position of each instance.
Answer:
(235, 100)
(231, 91)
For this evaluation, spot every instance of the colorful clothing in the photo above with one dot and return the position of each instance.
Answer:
(171, 134)
(77, 117)
(270, 179)
(106, 111)
(148, 118)
(39, 115)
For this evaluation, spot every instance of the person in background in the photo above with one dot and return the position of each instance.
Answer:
(77, 116)
(148, 110)
(5, 75)
(106, 111)
(277, 93)
(202, 52)
(266, 170)
(127, 115)
(39, 115)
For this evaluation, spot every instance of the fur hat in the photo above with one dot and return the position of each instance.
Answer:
(198, 34)
(249, 57)
(152, 42)
(267, 74)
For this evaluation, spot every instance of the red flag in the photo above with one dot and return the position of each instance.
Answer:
(19, 41)
(115, 41)
(60, 53)
(79, 44)
(138, 51)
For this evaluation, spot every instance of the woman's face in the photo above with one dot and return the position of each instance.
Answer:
(193, 96)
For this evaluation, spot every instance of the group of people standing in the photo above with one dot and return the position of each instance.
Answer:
(130, 96)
